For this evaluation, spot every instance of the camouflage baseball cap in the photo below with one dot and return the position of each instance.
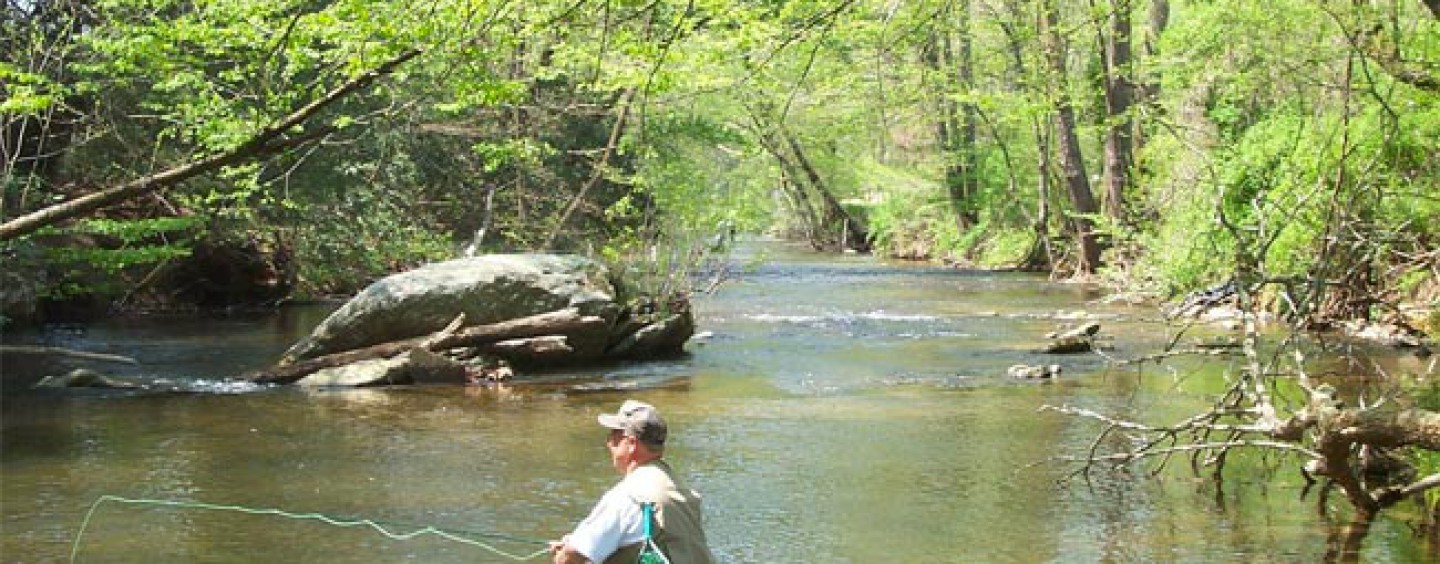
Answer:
(637, 419)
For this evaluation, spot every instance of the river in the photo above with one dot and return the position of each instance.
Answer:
(840, 409)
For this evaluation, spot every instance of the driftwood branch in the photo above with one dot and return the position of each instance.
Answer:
(1131, 456)
(1390, 496)
(1157, 357)
(1329, 435)
(71, 353)
(561, 322)
(449, 331)
(1202, 421)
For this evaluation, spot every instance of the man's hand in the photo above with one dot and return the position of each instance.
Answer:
(566, 555)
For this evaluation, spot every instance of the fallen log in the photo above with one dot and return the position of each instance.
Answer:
(1339, 431)
(560, 322)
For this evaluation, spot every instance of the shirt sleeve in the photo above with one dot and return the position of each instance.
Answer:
(614, 522)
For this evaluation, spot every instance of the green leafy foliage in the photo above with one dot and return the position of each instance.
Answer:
(914, 220)
(642, 130)
(340, 258)
(98, 256)
(27, 93)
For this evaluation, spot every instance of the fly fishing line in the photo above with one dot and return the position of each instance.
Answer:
(329, 520)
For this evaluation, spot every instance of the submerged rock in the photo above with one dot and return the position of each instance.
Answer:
(86, 378)
(1027, 372)
(1078, 340)
(1388, 334)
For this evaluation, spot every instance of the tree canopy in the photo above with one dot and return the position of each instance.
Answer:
(1161, 145)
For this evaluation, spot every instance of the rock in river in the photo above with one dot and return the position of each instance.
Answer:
(487, 289)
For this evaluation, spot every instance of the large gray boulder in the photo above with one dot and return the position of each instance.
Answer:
(487, 289)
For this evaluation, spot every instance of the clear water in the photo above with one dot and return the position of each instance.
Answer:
(844, 410)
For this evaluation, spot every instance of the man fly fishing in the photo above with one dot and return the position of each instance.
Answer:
(650, 515)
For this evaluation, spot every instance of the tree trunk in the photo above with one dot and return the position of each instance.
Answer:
(1040, 255)
(800, 203)
(790, 176)
(1119, 97)
(969, 173)
(951, 56)
(834, 214)
(274, 138)
(936, 55)
(800, 179)
(1069, 156)
(1147, 88)
(612, 144)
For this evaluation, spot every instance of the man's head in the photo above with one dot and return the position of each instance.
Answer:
(637, 435)
(639, 420)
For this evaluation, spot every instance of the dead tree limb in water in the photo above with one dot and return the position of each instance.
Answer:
(1336, 441)
(1333, 439)
(561, 322)
(69, 353)
(1330, 437)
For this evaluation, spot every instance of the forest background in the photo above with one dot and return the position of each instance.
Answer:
(216, 153)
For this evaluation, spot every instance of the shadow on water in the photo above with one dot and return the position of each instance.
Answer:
(838, 409)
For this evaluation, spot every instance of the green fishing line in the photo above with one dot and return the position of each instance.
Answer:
(426, 530)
